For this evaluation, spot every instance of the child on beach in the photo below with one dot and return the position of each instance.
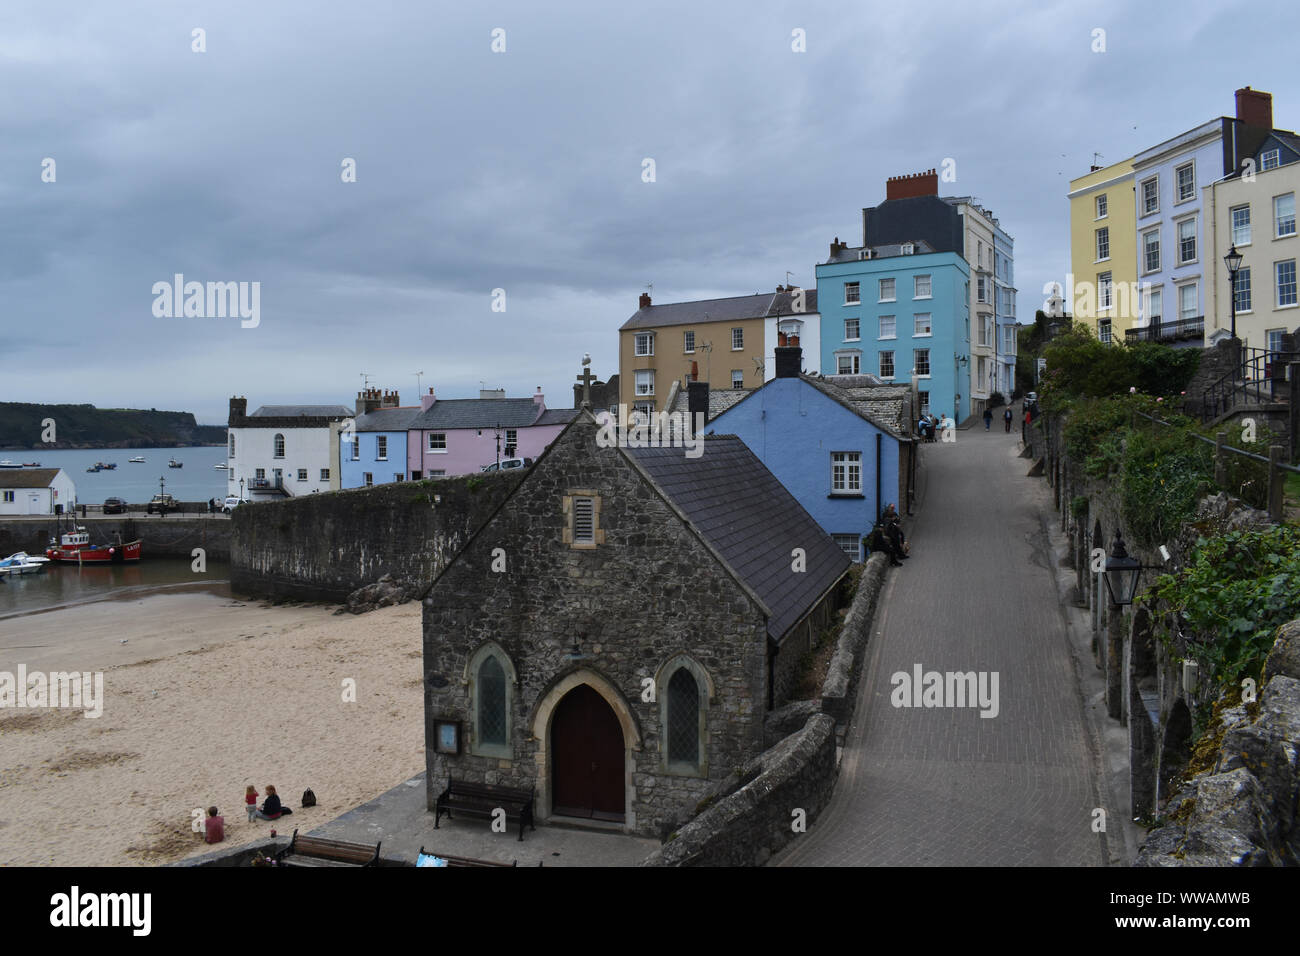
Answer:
(250, 801)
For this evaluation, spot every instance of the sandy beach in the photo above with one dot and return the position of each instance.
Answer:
(202, 696)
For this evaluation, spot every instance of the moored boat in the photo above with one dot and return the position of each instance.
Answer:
(75, 547)
(9, 464)
(137, 460)
(173, 463)
(31, 464)
(20, 562)
(220, 466)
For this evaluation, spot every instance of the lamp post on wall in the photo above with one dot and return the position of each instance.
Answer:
(1233, 261)
(957, 362)
(1121, 573)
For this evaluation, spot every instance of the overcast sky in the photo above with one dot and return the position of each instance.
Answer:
(522, 170)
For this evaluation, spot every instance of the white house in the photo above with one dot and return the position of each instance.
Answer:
(283, 450)
(35, 491)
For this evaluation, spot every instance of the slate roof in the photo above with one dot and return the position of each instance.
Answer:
(748, 517)
(387, 419)
(30, 477)
(720, 399)
(477, 413)
(315, 411)
(731, 309)
(886, 251)
(880, 404)
(557, 416)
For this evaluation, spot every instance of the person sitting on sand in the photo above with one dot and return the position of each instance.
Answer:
(214, 827)
(271, 809)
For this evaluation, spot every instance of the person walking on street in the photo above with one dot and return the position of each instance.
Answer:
(1006, 419)
(988, 418)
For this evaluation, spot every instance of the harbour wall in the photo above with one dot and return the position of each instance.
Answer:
(323, 547)
(169, 536)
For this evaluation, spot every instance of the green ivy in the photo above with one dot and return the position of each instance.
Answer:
(1237, 590)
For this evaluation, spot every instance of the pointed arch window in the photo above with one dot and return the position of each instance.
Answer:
(492, 680)
(685, 693)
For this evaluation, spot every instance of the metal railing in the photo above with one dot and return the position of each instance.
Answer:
(1276, 467)
(1158, 331)
(1257, 380)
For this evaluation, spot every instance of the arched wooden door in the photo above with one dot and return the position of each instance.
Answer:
(587, 757)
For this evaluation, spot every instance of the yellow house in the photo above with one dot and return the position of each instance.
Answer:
(724, 338)
(1103, 282)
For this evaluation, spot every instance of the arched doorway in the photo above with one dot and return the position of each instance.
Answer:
(588, 757)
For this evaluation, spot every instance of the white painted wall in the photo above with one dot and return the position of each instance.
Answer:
(308, 448)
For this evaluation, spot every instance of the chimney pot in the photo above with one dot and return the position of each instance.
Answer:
(644, 301)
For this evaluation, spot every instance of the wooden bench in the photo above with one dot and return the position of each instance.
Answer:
(464, 860)
(483, 800)
(315, 851)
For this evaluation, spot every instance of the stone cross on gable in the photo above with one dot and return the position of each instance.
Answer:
(586, 378)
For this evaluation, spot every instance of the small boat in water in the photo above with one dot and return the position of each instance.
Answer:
(220, 466)
(97, 466)
(75, 547)
(137, 460)
(108, 465)
(173, 463)
(9, 464)
(21, 562)
(31, 464)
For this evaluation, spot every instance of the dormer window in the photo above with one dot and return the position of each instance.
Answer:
(908, 248)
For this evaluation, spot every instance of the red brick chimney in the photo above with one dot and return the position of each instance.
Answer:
(1255, 107)
(645, 300)
(837, 246)
(917, 184)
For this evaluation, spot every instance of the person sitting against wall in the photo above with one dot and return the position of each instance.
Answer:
(880, 541)
(893, 526)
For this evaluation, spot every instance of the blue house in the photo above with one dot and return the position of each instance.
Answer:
(376, 453)
(896, 311)
(842, 447)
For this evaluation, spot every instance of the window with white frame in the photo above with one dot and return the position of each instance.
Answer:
(1285, 273)
(1284, 215)
(850, 544)
(1154, 304)
(887, 290)
(1186, 241)
(851, 330)
(438, 473)
(737, 339)
(1186, 177)
(1101, 206)
(981, 289)
(846, 472)
(641, 411)
(645, 381)
(512, 441)
(1241, 225)
(1103, 244)
(9, 497)
(645, 343)
(737, 378)
(1150, 195)
(921, 323)
(1270, 159)
(260, 474)
(1242, 296)
(324, 474)
(887, 364)
(399, 476)
(302, 474)
(279, 446)
(1275, 339)
(381, 447)
(923, 399)
(986, 331)
(367, 478)
(1103, 331)
(688, 342)
(921, 287)
(1151, 251)
(1187, 301)
(1105, 291)
(437, 441)
(888, 327)
(848, 363)
(356, 447)
(852, 293)
(921, 361)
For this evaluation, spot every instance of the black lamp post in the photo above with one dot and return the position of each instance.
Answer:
(1121, 573)
(1233, 261)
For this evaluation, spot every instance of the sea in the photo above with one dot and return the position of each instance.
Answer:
(67, 585)
(196, 481)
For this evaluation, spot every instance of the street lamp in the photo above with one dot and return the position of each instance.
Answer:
(1121, 573)
(957, 362)
(1233, 261)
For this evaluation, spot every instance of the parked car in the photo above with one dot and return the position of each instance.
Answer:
(115, 506)
(231, 503)
(163, 504)
(508, 463)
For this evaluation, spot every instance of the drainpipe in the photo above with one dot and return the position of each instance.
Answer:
(878, 509)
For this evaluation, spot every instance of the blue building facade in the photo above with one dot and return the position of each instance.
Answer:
(896, 310)
(835, 460)
(374, 452)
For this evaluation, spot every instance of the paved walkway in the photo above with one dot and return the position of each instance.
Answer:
(944, 786)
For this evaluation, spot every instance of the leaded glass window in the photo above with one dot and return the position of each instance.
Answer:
(683, 718)
(491, 702)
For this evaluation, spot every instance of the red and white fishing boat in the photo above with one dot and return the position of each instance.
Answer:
(75, 547)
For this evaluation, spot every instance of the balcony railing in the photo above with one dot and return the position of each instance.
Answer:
(1158, 331)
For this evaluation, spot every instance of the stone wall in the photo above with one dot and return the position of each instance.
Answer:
(168, 536)
(840, 689)
(323, 547)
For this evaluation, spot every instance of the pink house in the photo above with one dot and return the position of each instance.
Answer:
(458, 436)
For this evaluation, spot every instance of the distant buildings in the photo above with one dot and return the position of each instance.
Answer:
(36, 491)
(1148, 234)
(374, 450)
(283, 450)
